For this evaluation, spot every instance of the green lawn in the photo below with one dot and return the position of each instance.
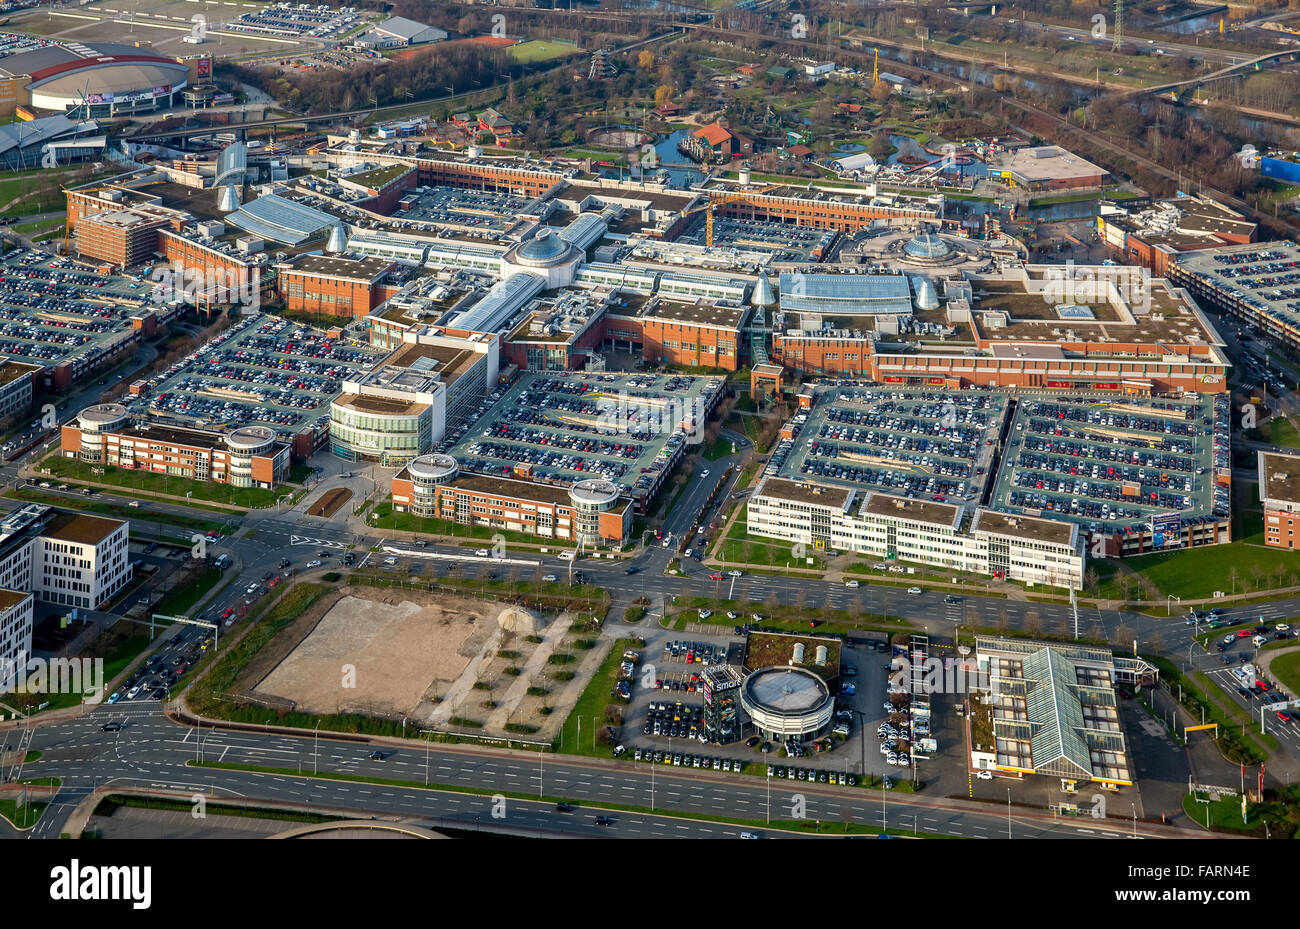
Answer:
(541, 50)
(1196, 573)
(72, 469)
(580, 735)
(28, 813)
(430, 525)
(181, 601)
(1280, 431)
(1286, 668)
(720, 448)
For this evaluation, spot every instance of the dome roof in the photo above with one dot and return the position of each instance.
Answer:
(928, 247)
(543, 247)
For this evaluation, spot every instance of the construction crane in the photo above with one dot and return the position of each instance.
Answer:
(875, 68)
(723, 201)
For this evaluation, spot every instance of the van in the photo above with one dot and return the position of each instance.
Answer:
(1259, 641)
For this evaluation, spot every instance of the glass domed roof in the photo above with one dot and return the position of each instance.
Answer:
(928, 247)
(545, 246)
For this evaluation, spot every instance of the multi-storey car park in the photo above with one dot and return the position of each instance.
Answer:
(1141, 475)
(264, 371)
(928, 444)
(69, 321)
(1129, 475)
(1259, 284)
(628, 429)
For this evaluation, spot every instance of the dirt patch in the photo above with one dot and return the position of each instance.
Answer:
(327, 504)
(441, 660)
(377, 653)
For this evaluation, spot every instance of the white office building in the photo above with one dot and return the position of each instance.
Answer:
(1018, 548)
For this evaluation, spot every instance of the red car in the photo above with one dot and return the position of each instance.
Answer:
(1243, 633)
(716, 576)
(1284, 716)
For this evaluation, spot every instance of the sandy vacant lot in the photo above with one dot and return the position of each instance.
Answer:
(399, 650)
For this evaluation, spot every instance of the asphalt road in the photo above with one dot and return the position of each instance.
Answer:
(152, 751)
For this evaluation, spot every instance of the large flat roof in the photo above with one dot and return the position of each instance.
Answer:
(803, 492)
(1279, 476)
(1047, 163)
(80, 528)
(924, 511)
(1025, 527)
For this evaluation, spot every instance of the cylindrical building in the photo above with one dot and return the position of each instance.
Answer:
(787, 703)
(96, 420)
(590, 498)
(427, 472)
(243, 444)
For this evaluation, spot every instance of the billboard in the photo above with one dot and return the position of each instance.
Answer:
(1165, 529)
(99, 98)
(203, 69)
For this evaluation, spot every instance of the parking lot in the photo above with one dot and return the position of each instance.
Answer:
(297, 20)
(51, 312)
(1116, 462)
(562, 428)
(781, 240)
(930, 444)
(264, 370)
(478, 210)
(664, 721)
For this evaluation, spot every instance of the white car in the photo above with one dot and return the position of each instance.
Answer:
(705, 614)
(481, 553)
(313, 564)
(704, 473)
(984, 775)
(748, 835)
(1281, 627)
(550, 578)
(735, 573)
(853, 584)
(914, 590)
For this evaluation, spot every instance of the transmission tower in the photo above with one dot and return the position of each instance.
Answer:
(1118, 42)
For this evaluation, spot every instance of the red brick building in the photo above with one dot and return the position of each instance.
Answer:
(332, 286)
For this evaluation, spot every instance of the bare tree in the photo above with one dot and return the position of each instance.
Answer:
(1034, 623)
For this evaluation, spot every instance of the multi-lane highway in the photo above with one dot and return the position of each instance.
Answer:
(151, 751)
